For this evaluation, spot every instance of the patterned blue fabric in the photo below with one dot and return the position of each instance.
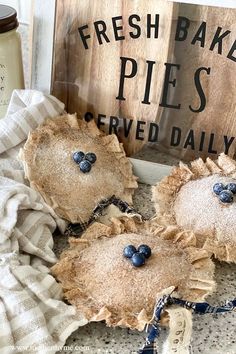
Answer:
(203, 307)
(77, 229)
(167, 301)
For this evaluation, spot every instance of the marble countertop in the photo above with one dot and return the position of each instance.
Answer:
(212, 334)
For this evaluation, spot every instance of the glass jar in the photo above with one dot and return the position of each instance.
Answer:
(11, 67)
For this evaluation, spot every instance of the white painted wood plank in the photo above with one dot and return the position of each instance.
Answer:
(25, 10)
(42, 51)
(149, 172)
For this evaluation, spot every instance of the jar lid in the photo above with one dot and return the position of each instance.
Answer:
(8, 18)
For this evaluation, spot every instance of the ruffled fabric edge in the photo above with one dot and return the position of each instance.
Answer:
(110, 142)
(201, 281)
(165, 192)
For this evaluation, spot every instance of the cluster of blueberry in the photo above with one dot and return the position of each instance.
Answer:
(84, 161)
(225, 192)
(137, 256)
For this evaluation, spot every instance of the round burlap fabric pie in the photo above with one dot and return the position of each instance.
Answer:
(185, 198)
(48, 163)
(103, 285)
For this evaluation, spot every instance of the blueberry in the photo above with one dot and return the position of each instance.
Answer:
(129, 251)
(78, 156)
(218, 187)
(91, 157)
(138, 259)
(231, 187)
(145, 250)
(226, 197)
(85, 166)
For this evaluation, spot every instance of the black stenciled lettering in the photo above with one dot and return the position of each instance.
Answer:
(99, 121)
(211, 142)
(123, 75)
(151, 25)
(139, 130)
(114, 123)
(202, 140)
(127, 127)
(200, 90)
(183, 24)
(148, 81)
(231, 52)
(135, 26)
(228, 142)
(190, 140)
(153, 133)
(117, 28)
(175, 136)
(83, 36)
(200, 35)
(100, 29)
(218, 38)
(167, 82)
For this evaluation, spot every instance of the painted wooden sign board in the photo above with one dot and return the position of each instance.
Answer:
(159, 74)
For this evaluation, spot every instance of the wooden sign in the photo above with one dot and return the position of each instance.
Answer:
(153, 72)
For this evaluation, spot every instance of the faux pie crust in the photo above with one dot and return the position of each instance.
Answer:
(185, 199)
(48, 164)
(103, 285)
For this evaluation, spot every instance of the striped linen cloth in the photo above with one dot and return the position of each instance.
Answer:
(33, 317)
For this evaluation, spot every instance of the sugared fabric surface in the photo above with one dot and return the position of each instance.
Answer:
(187, 199)
(50, 168)
(104, 285)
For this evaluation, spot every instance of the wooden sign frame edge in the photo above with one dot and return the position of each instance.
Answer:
(41, 74)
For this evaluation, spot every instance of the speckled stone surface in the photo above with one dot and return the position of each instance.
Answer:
(212, 334)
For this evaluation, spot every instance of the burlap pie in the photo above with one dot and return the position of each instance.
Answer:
(185, 198)
(103, 285)
(48, 163)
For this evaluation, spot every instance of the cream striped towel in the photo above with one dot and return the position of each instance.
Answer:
(33, 319)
